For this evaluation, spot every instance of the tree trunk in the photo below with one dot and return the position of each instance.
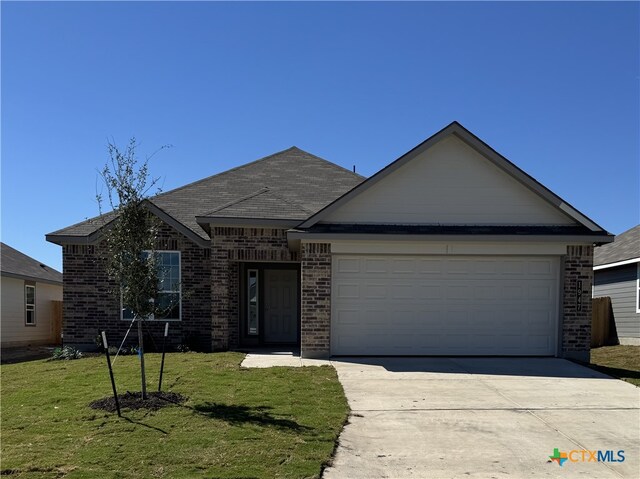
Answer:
(141, 354)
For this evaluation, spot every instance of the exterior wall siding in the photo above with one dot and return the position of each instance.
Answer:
(315, 334)
(417, 193)
(576, 321)
(90, 305)
(14, 331)
(620, 284)
(232, 246)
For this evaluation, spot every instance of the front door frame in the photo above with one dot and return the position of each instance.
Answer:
(258, 340)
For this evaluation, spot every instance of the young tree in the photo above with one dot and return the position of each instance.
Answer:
(130, 237)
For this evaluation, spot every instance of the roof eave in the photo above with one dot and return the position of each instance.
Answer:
(153, 208)
(207, 221)
(617, 263)
(26, 277)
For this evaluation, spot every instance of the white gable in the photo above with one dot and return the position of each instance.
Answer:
(449, 183)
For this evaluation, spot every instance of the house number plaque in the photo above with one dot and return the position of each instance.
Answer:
(579, 295)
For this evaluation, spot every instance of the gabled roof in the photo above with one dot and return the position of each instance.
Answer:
(457, 130)
(624, 249)
(291, 182)
(18, 265)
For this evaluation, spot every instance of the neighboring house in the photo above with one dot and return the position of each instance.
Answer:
(29, 290)
(449, 250)
(616, 272)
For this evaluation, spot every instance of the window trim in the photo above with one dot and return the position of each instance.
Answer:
(257, 276)
(29, 305)
(637, 288)
(179, 291)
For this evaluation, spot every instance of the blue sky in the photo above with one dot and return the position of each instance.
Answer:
(552, 86)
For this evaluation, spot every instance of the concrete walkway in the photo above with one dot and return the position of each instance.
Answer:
(478, 417)
(270, 358)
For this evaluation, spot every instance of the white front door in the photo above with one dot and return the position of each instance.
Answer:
(281, 306)
(444, 305)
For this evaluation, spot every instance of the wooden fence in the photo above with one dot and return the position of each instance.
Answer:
(56, 322)
(603, 326)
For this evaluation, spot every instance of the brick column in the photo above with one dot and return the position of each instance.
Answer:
(576, 305)
(220, 279)
(315, 334)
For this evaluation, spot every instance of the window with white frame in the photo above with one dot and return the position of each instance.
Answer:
(29, 305)
(252, 302)
(638, 288)
(169, 299)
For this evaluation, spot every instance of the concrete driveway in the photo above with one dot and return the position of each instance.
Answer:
(483, 417)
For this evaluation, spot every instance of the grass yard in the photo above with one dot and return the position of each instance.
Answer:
(618, 361)
(237, 423)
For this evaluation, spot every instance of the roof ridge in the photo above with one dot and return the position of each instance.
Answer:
(331, 163)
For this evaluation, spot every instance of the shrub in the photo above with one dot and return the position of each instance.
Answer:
(67, 353)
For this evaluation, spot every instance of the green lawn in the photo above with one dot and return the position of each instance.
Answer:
(618, 361)
(237, 423)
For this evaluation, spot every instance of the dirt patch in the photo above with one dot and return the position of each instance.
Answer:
(129, 400)
(22, 354)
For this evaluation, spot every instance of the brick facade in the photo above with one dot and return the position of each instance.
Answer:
(231, 246)
(90, 305)
(211, 296)
(577, 266)
(315, 334)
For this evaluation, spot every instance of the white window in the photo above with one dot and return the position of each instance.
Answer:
(29, 305)
(169, 297)
(638, 288)
(252, 302)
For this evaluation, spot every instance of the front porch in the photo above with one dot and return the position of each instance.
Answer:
(255, 288)
(266, 293)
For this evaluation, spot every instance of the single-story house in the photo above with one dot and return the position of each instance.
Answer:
(616, 274)
(449, 250)
(30, 290)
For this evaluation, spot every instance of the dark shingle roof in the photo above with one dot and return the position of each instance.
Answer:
(15, 263)
(625, 246)
(265, 204)
(86, 227)
(291, 184)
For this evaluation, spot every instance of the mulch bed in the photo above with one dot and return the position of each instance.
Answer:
(129, 400)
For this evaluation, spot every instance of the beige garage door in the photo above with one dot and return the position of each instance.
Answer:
(444, 305)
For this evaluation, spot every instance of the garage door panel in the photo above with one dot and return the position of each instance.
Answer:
(430, 267)
(402, 291)
(375, 266)
(540, 292)
(540, 268)
(403, 266)
(346, 318)
(348, 265)
(512, 267)
(348, 291)
(376, 291)
(444, 305)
